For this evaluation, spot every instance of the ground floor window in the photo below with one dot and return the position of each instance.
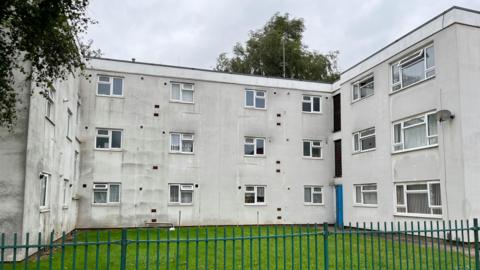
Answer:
(313, 195)
(106, 193)
(366, 194)
(254, 194)
(44, 190)
(181, 194)
(419, 198)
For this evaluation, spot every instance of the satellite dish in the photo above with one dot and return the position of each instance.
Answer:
(444, 115)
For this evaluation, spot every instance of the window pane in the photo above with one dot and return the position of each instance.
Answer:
(187, 95)
(358, 194)
(187, 146)
(117, 86)
(417, 203)
(397, 131)
(250, 188)
(187, 196)
(413, 121)
(116, 139)
(114, 193)
(307, 194)
(316, 152)
(317, 198)
(435, 196)
(102, 132)
(174, 193)
(367, 132)
(103, 142)
(400, 197)
(43, 191)
(175, 91)
(249, 140)
(103, 78)
(260, 194)
(370, 187)
(103, 89)
(417, 187)
(356, 144)
(355, 91)
(370, 197)
(259, 102)
(395, 74)
(259, 93)
(432, 124)
(316, 104)
(100, 196)
(415, 136)
(306, 106)
(249, 98)
(413, 73)
(249, 149)
(260, 146)
(175, 142)
(306, 149)
(368, 143)
(249, 197)
(430, 57)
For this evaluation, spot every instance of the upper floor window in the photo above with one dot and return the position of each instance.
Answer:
(108, 139)
(416, 132)
(181, 142)
(182, 92)
(416, 67)
(362, 88)
(66, 193)
(364, 140)
(44, 190)
(255, 99)
(110, 86)
(312, 195)
(254, 146)
(69, 124)
(50, 105)
(312, 148)
(254, 194)
(311, 104)
(419, 198)
(106, 193)
(366, 194)
(181, 194)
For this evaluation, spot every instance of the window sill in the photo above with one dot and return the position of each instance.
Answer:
(68, 139)
(417, 215)
(256, 109)
(319, 113)
(180, 204)
(108, 150)
(364, 151)
(256, 156)
(106, 204)
(255, 204)
(182, 153)
(415, 149)
(411, 85)
(65, 207)
(313, 158)
(314, 204)
(366, 205)
(44, 210)
(50, 120)
(111, 96)
(181, 102)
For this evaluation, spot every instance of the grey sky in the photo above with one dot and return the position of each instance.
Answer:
(193, 33)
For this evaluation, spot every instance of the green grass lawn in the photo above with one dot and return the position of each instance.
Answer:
(345, 251)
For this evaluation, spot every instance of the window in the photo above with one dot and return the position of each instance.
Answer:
(366, 194)
(182, 92)
(255, 99)
(69, 123)
(338, 158)
(419, 198)
(181, 143)
(66, 187)
(44, 190)
(416, 67)
(109, 86)
(363, 88)
(50, 105)
(364, 140)
(312, 149)
(106, 193)
(311, 104)
(416, 132)
(181, 194)
(313, 195)
(337, 113)
(76, 165)
(108, 139)
(254, 194)
(254, 146)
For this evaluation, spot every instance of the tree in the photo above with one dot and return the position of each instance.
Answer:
(45, 34)
(262, 54)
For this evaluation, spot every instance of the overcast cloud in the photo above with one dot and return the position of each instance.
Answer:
(193, 33)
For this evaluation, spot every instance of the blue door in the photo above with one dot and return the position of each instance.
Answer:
(339, 204)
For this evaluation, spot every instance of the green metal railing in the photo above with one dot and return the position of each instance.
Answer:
(390, 246)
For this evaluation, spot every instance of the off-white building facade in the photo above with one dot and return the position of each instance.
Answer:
(141, 144)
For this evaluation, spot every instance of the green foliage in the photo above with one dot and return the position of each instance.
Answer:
(44, 36)
(262, 54)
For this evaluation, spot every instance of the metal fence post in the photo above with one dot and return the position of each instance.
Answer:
(123, 251)
(475, 238)
(325, 245)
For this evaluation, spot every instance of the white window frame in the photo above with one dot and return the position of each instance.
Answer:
(411, 59)
(357, 138)
(255, 139)
(183, 88)
(313, 144)
(181, 188)
(107, 187)
(312, 192)
(46, 204)
(362, 192)
(110, 83)
(309, 99)
(183, 137)
(50, 105)
(357, 88)
(427, 191)
(109, 136)
(255, 192)
(428, 136)
(255, 96)
(66, 193)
